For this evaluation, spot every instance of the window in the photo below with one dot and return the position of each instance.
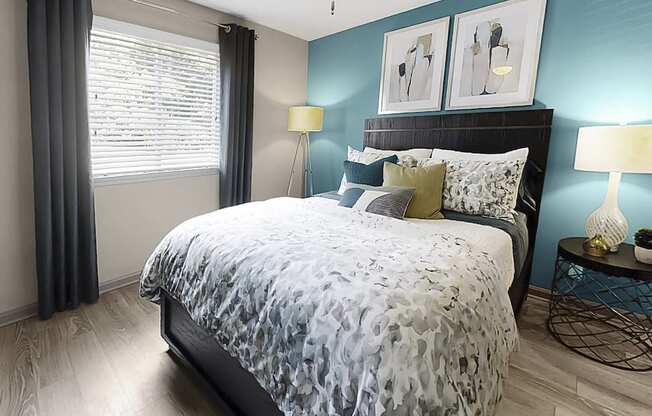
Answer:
(153, 102)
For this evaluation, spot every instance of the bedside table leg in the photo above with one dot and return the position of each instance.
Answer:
(604, 318)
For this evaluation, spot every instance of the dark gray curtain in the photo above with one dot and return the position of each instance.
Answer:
(237, 101)
(59, 32)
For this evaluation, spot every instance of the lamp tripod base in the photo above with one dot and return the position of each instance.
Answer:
(304, 143)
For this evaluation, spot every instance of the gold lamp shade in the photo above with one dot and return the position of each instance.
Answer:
(305, 119)
(623, 149)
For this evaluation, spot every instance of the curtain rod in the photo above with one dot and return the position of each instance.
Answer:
(145, 3)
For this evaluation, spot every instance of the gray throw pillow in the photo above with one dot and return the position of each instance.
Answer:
(387, 201)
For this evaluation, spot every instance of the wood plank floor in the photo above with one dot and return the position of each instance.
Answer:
(108, 359)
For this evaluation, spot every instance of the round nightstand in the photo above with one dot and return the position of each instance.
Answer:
(601, 307)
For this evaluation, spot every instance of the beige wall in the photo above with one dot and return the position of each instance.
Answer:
(132, 218)
(280, 82)
(17, 267)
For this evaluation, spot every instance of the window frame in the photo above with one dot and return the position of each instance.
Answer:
(130, 29)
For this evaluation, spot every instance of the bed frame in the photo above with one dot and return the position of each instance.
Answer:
(235, 390)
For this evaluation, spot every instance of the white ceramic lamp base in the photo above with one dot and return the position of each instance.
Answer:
(608, 220)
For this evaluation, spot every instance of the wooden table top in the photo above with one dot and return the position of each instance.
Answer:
(623, 263)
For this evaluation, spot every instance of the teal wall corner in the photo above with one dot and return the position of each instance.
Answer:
(595, 67)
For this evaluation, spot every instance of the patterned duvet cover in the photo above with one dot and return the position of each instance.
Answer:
(341, 312)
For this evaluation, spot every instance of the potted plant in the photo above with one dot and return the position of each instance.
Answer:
(643, 249)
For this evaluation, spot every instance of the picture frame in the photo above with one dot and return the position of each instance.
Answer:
(414, 60)
(495, 55)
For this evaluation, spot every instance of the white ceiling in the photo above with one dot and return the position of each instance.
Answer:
(311, 19)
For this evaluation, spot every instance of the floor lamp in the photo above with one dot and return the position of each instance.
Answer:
(304, 119)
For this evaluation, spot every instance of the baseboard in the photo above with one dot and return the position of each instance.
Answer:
(27, 311)
(538, 292)
(119, 282)
(18, 314)
(546, 294)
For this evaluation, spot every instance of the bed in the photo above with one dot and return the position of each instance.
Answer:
(300, 307)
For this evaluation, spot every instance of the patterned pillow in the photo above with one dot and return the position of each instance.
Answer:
(388, 201)
(486, 188)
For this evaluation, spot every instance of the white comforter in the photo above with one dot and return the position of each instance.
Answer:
(341, 312)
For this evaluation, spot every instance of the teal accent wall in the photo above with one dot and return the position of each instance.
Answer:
(595, 68)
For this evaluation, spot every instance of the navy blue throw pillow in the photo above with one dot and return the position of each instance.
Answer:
(371, 174)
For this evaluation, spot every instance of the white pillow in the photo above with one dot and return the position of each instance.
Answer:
(410, 158)
(440, 154)
(355, 155)
(415, 153)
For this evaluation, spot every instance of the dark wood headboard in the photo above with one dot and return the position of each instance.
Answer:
(485, 132)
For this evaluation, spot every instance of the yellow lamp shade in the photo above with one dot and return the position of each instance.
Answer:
(305, 118)
(623, 149)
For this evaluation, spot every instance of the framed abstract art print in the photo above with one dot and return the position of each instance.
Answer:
(495, 55)
(412, 76)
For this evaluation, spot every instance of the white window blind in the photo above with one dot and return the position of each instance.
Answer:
(153, 104)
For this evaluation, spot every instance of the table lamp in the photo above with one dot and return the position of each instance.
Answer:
(616, 150)
(304, 119)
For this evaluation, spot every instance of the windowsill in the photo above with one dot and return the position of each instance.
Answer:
(100, 181)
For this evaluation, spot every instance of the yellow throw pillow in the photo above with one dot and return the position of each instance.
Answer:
(428, 182)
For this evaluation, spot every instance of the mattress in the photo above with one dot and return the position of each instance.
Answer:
(496, 243)
(493, 242)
